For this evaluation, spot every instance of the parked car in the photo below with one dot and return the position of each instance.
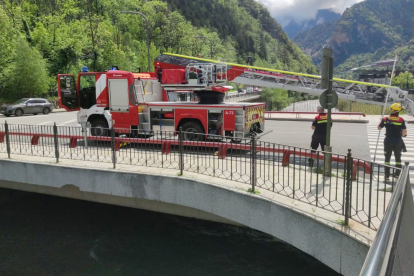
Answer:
(27, 106)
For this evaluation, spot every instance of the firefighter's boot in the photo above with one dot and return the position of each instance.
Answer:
(397, 172)
(387, 173)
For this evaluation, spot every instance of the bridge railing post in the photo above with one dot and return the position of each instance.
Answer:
(348, 187)
(113, 150)
(55, 138)
(253, 160)
(6, 130)
(181, 150)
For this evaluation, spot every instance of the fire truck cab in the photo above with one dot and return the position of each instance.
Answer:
(140, 103)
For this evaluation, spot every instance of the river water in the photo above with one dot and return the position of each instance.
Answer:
(46, 235)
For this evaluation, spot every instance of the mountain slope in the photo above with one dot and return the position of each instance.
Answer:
(312, 41)
(367, 32)
(255, 31)
(371, 25)
(322, 16)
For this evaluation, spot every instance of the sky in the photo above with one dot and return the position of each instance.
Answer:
(303, 9)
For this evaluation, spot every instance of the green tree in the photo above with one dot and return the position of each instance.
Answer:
(404, 80)
(27, 76)
(7, 43)
(276, 99)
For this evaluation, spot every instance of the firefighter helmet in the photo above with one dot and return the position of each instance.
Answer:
(396, 107)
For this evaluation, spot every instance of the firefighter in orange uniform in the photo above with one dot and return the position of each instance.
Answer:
(395, 129)
(319, 125)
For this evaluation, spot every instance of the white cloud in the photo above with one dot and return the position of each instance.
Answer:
(304, 9)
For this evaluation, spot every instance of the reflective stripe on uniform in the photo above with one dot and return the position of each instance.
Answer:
(397, 124)
(123, 144)
(387, 163)
(398, 163)
(320, 122)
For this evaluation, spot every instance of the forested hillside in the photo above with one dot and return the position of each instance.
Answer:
(367, 32)
(313, 40)
(39, 39)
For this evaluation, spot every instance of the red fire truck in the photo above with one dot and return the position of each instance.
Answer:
(187, 96)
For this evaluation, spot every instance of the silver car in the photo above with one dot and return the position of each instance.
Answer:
(27, 106)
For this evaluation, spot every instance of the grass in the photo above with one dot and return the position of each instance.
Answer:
(318, 170)
(251, 191)
(340, 222)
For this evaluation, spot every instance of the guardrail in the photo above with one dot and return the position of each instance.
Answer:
(352, 188)
(391, 251)
(298, 113)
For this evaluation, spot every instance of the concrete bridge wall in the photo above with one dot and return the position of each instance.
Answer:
(188, 197)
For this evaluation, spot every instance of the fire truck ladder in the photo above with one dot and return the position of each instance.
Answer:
(345, 89)
(304, 83)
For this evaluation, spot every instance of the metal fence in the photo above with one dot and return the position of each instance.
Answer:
(352, 188)
(392, 249)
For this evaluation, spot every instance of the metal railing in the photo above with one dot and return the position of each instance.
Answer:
(383, 252)
(353, 188)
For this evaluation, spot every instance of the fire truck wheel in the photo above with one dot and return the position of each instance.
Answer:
(192, 131)
(99, 127)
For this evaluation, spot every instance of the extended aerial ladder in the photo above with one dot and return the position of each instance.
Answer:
(357, 91)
